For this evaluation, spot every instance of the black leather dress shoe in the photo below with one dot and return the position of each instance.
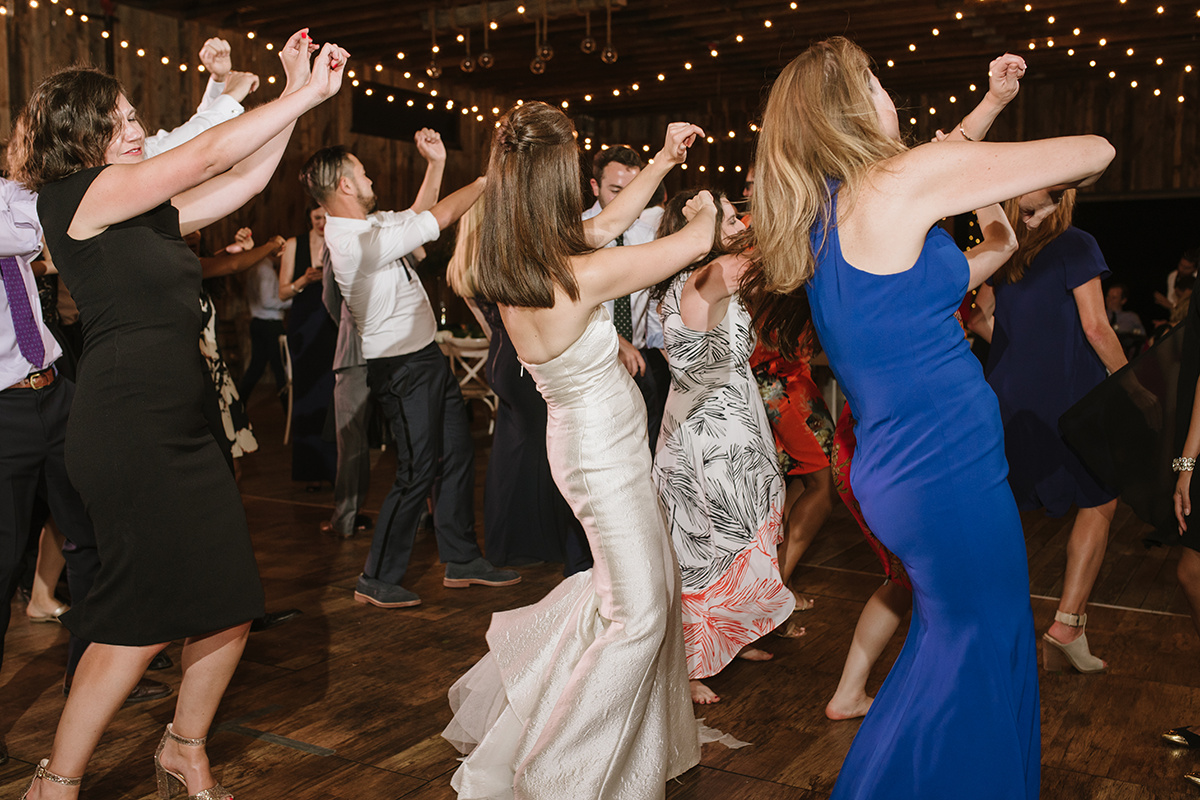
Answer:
(161, 661)
(274, 618)
(145, 691)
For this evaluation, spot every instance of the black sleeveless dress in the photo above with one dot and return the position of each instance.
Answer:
(175, 552)
(312, 341)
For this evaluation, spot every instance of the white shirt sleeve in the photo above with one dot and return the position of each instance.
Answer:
(394, 235)
(221, 109)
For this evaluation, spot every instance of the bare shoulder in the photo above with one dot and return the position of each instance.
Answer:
(879, 230)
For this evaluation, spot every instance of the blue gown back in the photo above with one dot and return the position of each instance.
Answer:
(958, 715)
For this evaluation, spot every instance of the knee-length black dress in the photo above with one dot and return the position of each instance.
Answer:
(175, 552)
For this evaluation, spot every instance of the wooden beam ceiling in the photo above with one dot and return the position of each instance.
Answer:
(654, 37)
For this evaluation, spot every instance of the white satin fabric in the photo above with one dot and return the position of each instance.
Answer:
(585, 694)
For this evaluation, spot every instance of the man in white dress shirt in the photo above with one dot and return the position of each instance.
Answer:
(639, 329)
(406, 370)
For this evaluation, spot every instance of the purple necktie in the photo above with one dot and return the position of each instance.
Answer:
(29, 338)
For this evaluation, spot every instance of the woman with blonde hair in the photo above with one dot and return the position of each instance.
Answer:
(525, 518)
(846, 214)
(1050, 293)
(584, 694)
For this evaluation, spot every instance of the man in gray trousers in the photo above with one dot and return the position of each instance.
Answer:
(351, 398)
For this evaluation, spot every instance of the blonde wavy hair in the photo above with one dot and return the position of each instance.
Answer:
(1030, 241)
(463, 268)
(820, 126)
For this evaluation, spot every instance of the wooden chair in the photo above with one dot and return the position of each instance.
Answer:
(467, 360)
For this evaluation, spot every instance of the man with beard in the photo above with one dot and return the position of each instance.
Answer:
(405, 368)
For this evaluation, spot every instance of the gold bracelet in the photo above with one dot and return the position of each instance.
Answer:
(964, 133)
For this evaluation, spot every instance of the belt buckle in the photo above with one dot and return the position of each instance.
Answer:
(40, 380)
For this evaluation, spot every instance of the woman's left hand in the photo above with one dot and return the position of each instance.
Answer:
(1004, 76)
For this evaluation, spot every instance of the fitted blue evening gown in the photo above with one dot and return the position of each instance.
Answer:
(958, 715)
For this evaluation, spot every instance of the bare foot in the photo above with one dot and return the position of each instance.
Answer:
(754, 654)
(851, 708)
(702, 694)
(789, 630)
(803, 603)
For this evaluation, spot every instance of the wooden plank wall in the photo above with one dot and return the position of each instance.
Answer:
(1157, 138)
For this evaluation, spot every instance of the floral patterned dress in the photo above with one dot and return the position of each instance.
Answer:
(800, 420)
(234, 422)
(721, 487)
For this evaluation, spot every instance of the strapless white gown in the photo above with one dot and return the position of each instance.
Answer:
(585, 694)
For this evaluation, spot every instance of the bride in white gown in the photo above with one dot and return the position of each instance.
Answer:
(584, 694)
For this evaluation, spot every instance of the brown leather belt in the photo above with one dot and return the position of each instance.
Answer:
(37, 380)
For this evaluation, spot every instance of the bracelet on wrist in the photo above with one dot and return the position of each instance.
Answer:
(964, 133)
(1183, 464)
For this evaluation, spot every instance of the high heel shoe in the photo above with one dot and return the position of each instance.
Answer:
(1056, 655)
(172, 784)
(46, 775)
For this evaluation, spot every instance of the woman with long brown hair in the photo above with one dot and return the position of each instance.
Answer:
(848, 214)
(176, 559)
(1052, 343)
(585, 693)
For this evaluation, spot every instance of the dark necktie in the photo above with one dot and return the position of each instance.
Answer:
(622, 310)
(29, 339)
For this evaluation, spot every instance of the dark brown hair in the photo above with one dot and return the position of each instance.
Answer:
(534, 222)
(673, 221)
(323, 170)
(1030, 241)
(66, 126)
(620, 153)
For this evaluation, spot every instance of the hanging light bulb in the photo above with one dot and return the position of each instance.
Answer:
(609, 54)
(467, 64)
(545, 52)
(588, 45)
(486, 59)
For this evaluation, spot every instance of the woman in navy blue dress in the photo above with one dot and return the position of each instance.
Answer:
(1051, 344)
(841, 205)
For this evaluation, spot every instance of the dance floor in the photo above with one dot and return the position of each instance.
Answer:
(347, 701)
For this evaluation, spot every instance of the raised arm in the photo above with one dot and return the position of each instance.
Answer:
(220, 196)
(109, 199)
(1004, 76)
(616, 218)
(613, 272)
(998, 245)
(430, 146)
(449, 209)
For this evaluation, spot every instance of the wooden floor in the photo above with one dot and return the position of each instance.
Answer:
(347, 701)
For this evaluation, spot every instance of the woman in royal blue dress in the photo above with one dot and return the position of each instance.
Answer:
(842, 206)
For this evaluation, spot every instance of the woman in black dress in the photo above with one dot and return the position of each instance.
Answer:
(312, 341)
(176, 560)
